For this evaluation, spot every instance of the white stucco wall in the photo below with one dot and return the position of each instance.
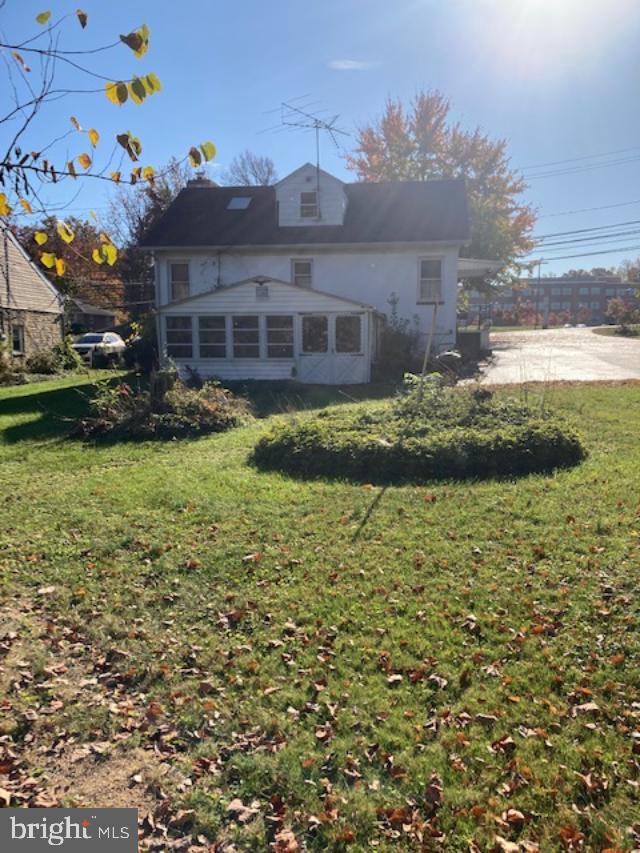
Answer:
(368, 276)
(332, 198)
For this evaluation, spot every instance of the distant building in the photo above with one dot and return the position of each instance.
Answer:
(30, 306)
(553, 301)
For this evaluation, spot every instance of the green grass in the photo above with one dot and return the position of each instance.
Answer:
(260, 623)
(615, 331)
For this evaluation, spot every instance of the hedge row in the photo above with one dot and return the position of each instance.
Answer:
(314, 449)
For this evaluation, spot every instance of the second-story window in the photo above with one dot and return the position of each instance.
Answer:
(302, 272)
(309, 205)
(179, 280)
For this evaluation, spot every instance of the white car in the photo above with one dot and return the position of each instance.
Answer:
(100, 345)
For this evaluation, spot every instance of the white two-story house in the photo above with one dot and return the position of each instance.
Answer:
(293, 281)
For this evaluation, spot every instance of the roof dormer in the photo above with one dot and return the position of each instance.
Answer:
(310, 196)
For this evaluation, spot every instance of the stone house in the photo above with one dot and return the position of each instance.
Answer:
(31, 309)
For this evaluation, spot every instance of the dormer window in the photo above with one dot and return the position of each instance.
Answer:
(309, 205)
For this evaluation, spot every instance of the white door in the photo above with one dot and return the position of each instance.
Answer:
(314, 361)
(333, 349)
(349, 344)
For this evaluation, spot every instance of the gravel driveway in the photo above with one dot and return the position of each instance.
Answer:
(561, 354)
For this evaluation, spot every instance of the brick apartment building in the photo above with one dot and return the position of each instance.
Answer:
(553, 300)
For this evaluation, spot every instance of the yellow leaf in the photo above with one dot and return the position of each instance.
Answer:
(117, 92)
(5, 207)
(104, 237)
(209, 150)
(65, 232)
(115, 177)
(40, 237)
(137, 91)
(43, 17)
(85, 161)
(152, 83)
(195, 158)
(148, 173)
(97, 256)
(19, 59)
(93, 215)
(48, 259)
(74, 121)
(111, 253)
(71, 169)
(26, 206)
(94, 136)
(60, 266)
(82, 17)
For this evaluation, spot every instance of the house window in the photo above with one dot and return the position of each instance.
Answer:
(280, 337)
(302, 272)
(348, 333)
(309, 205)
(17, 340)
(246, 337)
(315, 333)
(179, 337)
(430, 289)
(584, 291)
(212, 335)
(179, 281)
(239, 202)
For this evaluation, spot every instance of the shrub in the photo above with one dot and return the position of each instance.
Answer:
(168, 410)
(444, 434)
(62, 357)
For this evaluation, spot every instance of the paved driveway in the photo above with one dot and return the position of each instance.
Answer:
(561, 354)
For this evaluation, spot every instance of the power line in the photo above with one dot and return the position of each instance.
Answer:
(585, 230)
(585, 254)
(588, 209)
(579, 169)
(577, 159)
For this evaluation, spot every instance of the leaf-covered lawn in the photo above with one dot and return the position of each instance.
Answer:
(316, 665)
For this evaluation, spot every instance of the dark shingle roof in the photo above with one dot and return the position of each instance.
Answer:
(389, 212)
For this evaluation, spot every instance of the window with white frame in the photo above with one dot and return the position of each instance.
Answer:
(302, 271)
(179, 337)
(279, 336)
(309, 205)
(179, 280)
(212, 336)
(17, 340)
(430, 283)
(246, 336)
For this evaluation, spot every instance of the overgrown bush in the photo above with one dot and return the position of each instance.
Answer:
(168, 410)
(60, 358)
(439, 433)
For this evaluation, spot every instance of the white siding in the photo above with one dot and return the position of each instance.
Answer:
(369, 276)
(332, 198)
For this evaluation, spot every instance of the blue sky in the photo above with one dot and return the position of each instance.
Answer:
(558, 79)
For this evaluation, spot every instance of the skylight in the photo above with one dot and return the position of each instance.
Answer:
(239, 202)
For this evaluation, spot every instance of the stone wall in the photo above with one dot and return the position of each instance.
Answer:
(41, 332)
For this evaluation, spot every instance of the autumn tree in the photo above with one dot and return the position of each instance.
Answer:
(33, 159)
(249, 170)
(624, 313)
(420, 142)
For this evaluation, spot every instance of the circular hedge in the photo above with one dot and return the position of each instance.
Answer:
(466, 437)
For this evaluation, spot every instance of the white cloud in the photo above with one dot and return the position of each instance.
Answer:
(350, 65)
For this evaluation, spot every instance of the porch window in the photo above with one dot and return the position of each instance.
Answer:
(212, 335)
(430, 285)
(280, 337)
(348, 333)
(246, 337)
(309, 205)
(315, 333)
(17, 340)
(179, 274)
(179, 337)
(302, 272)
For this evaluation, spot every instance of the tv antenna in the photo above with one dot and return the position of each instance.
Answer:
(299, 117)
